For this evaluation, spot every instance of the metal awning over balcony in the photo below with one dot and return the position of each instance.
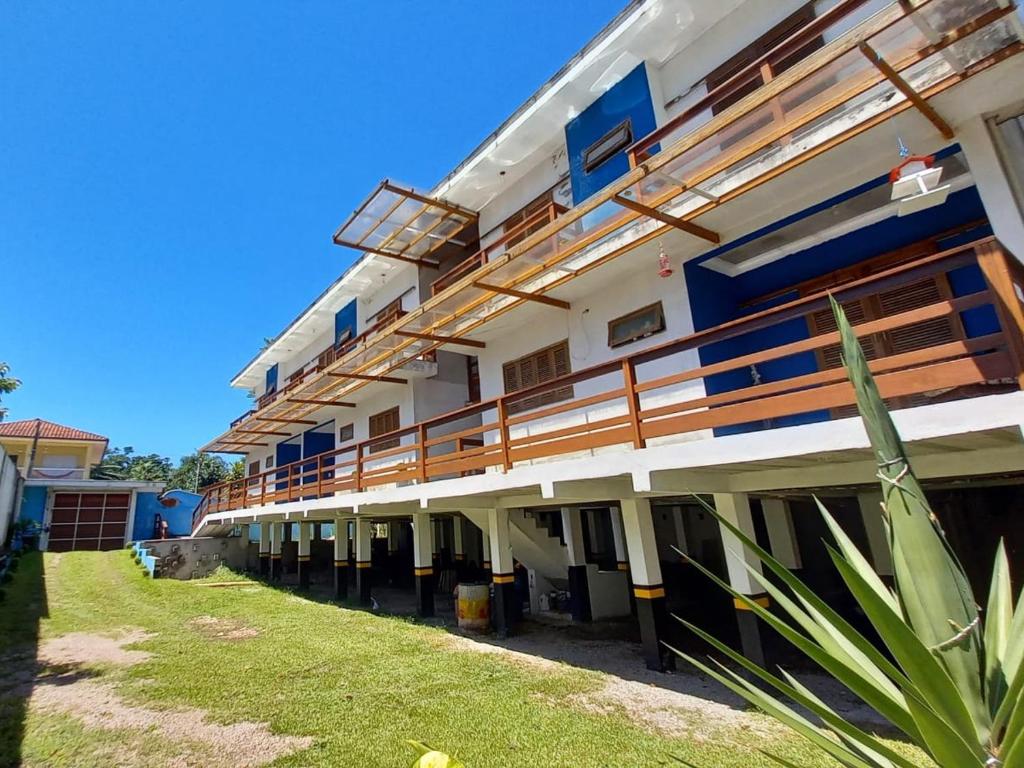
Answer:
(401, 223)
(829, 98)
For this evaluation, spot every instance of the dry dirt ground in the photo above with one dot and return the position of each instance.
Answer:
(62, 679)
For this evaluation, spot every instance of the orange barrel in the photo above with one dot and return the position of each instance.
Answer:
(474, 606)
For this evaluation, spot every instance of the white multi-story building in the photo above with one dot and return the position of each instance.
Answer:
(619, 300)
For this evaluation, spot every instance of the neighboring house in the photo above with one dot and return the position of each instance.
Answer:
(619, 299)
(71, 510)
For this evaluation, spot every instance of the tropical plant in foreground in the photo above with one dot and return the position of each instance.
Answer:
(948, 677)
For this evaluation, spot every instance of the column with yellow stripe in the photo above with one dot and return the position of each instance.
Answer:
(364, 574)
(264, 564)
(579, 589)
(276, 537)
(340, 559)
(735, 507)
(303, 554)
(505, 613)
(423, 563)
(645, 568)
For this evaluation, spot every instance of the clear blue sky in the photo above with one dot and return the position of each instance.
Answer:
(171, 174)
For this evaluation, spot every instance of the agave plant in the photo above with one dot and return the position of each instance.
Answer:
(949, 678)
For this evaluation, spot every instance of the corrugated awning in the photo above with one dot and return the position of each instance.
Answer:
(401, 223)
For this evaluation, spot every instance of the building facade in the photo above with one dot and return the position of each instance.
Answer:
(618, 304)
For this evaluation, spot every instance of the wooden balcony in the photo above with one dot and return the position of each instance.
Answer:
(519, 232)
(625, 403)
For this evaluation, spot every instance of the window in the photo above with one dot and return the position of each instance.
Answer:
(613, 142)
(381, 424)
(773, 65)
(388, 314)
(346, 433)
(254, 468)
(536, 368)
(636, 325)
(268, 462)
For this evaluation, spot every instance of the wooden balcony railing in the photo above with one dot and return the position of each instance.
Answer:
(629, 402)
(526, 227)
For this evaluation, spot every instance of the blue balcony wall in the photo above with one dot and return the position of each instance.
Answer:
(716, 298)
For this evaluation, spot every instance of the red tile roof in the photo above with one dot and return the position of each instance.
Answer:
(47, 429)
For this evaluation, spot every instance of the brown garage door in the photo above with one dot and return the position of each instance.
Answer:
(88, 521)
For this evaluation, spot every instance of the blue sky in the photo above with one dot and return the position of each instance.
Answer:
(171, 174)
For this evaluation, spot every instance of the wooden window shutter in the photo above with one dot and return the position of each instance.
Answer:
(382, 423)
(537, 368)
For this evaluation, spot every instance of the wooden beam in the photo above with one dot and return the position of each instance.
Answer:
(366, 377)
(903, 86)
(240, 442)
(261, 432)
(551, 302)
(389, 254)
(284, 421)
(442, 339)
(340, 403)
(675, 221)
(432, 201)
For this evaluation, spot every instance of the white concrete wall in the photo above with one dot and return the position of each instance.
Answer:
(609, 593)
(10, 482)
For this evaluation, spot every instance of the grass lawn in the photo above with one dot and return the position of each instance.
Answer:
(358, 685)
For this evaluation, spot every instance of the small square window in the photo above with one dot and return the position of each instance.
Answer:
(636, 325)
(613, 142)
(268, 462)
(346, 433)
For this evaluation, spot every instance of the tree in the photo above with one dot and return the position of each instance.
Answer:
(212, 469)
(237, 470)
(7, 385)
(123, 464)
(951, 682)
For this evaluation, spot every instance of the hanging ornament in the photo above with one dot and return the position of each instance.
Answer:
(664, 267)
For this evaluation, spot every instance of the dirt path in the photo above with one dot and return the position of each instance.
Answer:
(63, 679)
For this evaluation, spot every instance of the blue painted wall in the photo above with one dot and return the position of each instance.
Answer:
(345, 320)
(630, 98)
(286, 453)
(176, 507)
(271, 378)
(716, 298)
(33, 503)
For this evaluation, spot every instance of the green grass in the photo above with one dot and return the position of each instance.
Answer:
(359, 684)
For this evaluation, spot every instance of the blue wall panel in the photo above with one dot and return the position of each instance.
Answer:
(33, 503)
(176, 508)
(716, 298)
(630, 99)
(345, 320)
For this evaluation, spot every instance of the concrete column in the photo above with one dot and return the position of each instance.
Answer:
(680, 529)
(593, 534)
(579, 592)
(735, 507)
(340, 559)
(393, 551)
(458, 547)
(264, 549)
(995, 189)
(781, 534)
(423, 563)
(871, 513)
(485, 558)
(645, 568)
(304, 564)
(621, 558)
(276, 537)
(502, 572)
(363, 571)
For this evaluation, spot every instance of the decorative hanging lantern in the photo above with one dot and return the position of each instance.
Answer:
(915, 184)
(664, 267)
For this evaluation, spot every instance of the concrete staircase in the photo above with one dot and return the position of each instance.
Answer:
(532, 544)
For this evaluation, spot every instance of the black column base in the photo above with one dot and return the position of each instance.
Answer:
(275, 568)
(340, 579)
(652, 615)
(579, 593)
(363, 575)
(264, 566)
(424, 592)
(304, 569)
(751, 638)
(503, 617)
